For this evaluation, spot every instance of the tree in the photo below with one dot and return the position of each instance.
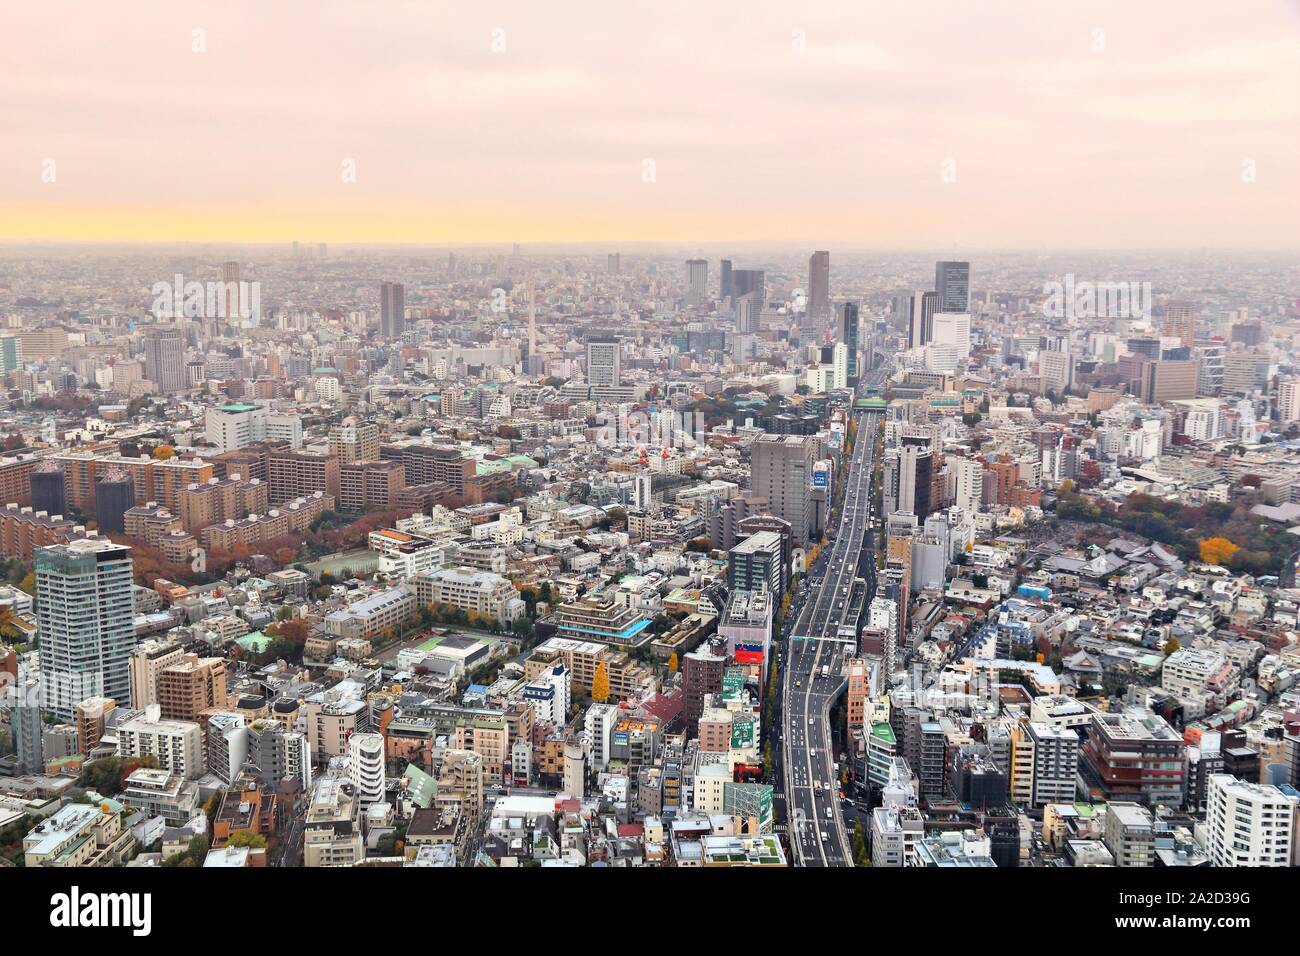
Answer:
(1217, 550)
(600, 684)
(247, 838)
(1172, 645)
(672, 663)
(164, 452)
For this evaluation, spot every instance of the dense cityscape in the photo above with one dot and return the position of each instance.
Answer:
(518, 556)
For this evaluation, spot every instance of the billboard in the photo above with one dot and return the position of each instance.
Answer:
(821, 479)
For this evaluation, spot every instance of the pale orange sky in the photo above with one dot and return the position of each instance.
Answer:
(1053, 143)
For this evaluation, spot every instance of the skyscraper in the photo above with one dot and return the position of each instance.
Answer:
(949, 328)
(1180, 321)
(920, 318)
(697, 280)
(231, 300)
(604, 366)
(86, 614)
(724, 280)
(819, 289)
(745, 281)
(781, 472)
(848, 334)
(164, 358)
(952, 283)
(392, 310)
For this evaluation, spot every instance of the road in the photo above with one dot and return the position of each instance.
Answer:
(820, 640)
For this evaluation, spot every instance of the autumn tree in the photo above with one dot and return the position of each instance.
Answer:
(672, 663)
(1217, 550)
(600, 684)
(164, 452)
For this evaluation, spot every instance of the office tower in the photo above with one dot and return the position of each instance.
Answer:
(906, 475)
(1249, 824)
(392, 310)
(819, 289)
(1180, 321)
(757, 564)
(725, 288)
(781, 472)
(11, 353)
(952, 284)
(745, 281)
(747, 322)
(366, 767)
(1057, 370)
(85, 609)
(231, 304)
(952, 328)
(1168, 381)
(920, 317)
(697, 280)
(848, 334)
(1245, 372)
(1209, 354)
(164, 358)
(604, 361)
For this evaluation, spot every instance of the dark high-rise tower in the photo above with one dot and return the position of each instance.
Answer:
(724, 278)
(392, 310)
(952, 282)
(848, 334)
(697, 280)
(819, 289)
(745, 281)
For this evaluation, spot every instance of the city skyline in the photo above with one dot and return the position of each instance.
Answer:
(1085, 129)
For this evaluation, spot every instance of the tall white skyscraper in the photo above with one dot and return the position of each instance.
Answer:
(953, 328)
(86, 613)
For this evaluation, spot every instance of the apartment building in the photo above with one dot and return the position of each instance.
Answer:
(220, 499)
(1249, 824)
(190, 686)
(299, 474)
(332, 831)
(177, 744)
(478, 592)
(365, 485)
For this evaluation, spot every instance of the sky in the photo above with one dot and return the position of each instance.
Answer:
(967, 123)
